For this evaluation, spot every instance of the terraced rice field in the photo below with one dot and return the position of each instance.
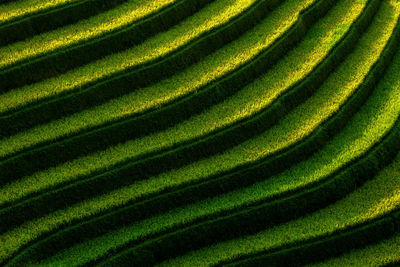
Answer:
(199, 132)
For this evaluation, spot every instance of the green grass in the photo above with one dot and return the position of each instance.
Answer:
(24, 19)
(199, 132)
(215, 14)
(189, 80)
(364, 131)
(307, 118)
(114, 19)
(376, 198)
(376, 118)
(208, 18)
(313, 50)
(380, 254)
(14, 10)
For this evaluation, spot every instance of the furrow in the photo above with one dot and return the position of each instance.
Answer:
(199, 133)
(304, 187)
(188, 83)
(383, 253)
(256, 124)
(158, 58)
(53, 53)
(215, 24)
(100, 127)
(22, 19)
(382, 102)
(330, 245)
(20, 9)
(372, 201)
(247, 206)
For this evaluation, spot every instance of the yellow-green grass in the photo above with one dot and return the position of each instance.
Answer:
(311, 53)
(212, 67)
(316, 46)
(114, 19)
(376, 118)
(214, 15)
(206, 19)
(13, 10)
(380, 254)
(24, 19)
(374, 199)
(365, 130)
(294, 128)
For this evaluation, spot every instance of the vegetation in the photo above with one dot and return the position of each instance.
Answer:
(383, 253)
(193, 128)
(23, 19)
(171, 89)
(374, 199)
(246, 132)
(173, 59)
(380, 111)
(151, 49)
(25, 187)
(123, 15)
(17, 9)
(9, 172)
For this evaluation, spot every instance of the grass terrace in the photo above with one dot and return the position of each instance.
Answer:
(204, 133)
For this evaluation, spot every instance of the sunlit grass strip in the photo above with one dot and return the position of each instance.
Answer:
(111, 20)
(82, 192)
(79, 120)
(8, 173)
(32, 23)
(63, 59)
(28, 205)
(376, 198)
(192, 30)
(388, 113)
(306, 57)
(15, 9)
(279, 137)
(236, 202)
(366, 129)
(383, 253)
(26, 117)
(177, 87)
(149, 50)
(323, 247)
(213, 127)
(225, 116)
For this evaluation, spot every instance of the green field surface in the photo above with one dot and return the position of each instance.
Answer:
(20, 20)
(382, 253)
(199, 133)
(151, 49)
(17, 9)
(25, 186)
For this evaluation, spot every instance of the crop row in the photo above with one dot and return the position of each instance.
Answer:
(16, 144)
(50, 54)
(250, 205)
(43, 184)
(127, 118)
(382, 102)
(383, 253)
(327, 246)
(348, 145)
(239, 133)
(373, 200)
(21, 9)
(22, 19)
(156, 58)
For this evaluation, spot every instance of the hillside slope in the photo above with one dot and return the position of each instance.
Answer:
(199, 132)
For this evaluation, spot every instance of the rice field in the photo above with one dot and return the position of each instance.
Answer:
(199, 133)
